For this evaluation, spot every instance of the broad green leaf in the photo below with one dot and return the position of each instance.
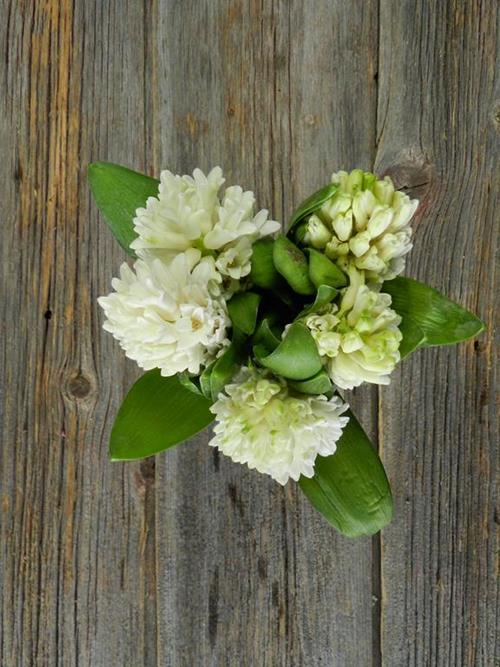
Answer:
(324, 296)
(242, 309)
(157, 413)
(318, 384)
(323, 271)
(429, 318)
(265, 336)
(413, 337)
(291, 263)
(295, 358)
(263, 272)
(312, 203)
(226, 366)
(350, 488)
(118, 193)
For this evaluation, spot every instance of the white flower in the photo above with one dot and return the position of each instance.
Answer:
(235, 218)
(360, 341)
(188, 213)
(168, 316)
(367, 222)
(234, 260)
(262, 423)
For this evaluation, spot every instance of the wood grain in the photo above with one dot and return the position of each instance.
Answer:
(188, 559)
(75, 530)
(247, 572)
(438, 134)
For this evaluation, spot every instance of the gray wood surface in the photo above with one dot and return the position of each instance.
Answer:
(188, 559)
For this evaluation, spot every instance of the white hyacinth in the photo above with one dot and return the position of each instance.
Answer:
(168, 316)
(366, 222)
(188, 213)
(360, 340)
(262, 423)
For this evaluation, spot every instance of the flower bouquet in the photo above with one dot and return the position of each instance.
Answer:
(259, 330)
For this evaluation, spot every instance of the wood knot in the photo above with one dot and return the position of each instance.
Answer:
(415, 175)
(79, 386)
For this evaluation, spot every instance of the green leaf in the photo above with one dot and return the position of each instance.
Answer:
(350, 488)
(312, 203)
(323, 271)
(265, 336)
(429, 318)
(205, 385)
(242, 309)
(295, 358)
(324, 296)
(157, 413)
(118, 193)
(413, 337)
(187, 381)
(263, 272)
(299, 231)
(226, 366)
(318, 384)
(291, 262)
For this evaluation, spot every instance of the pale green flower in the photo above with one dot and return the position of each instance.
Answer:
(323, 327)
(317, 234)
(366, 222)
(359, 341)
(262, 423)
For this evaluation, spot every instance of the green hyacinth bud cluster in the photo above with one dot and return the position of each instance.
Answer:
(365, 222)
(359, 338)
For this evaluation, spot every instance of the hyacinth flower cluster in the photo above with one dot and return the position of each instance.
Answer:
(262, 326)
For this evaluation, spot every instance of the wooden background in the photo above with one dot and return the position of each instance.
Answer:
(188, 559)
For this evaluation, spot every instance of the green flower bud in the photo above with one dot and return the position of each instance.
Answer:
(291, 262)
(359, 342)
(366, 222)
(317, 234)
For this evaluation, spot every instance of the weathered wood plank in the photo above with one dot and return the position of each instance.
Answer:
(438, 132)
(248, 573)
(191, 559)
(77, 534)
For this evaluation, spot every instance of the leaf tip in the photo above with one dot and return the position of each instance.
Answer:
(481, 326)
